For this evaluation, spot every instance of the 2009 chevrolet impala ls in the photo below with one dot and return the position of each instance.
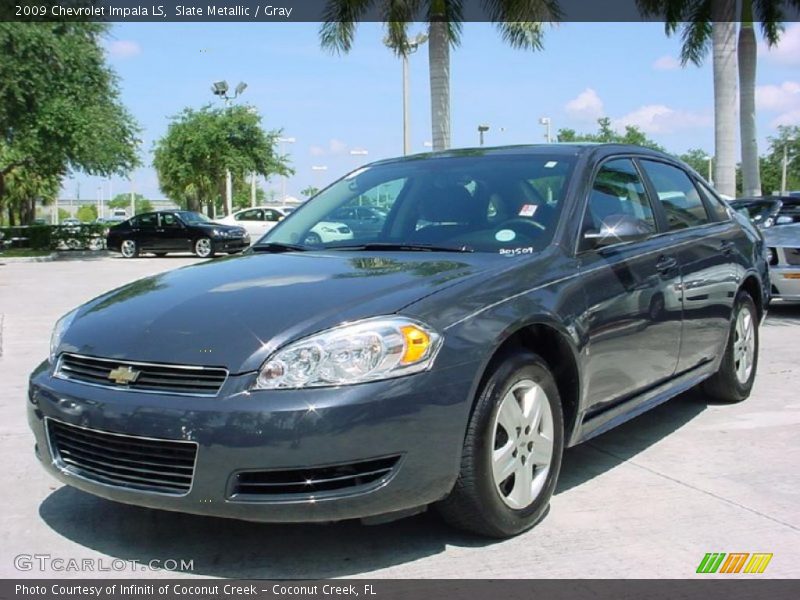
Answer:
(507, 304)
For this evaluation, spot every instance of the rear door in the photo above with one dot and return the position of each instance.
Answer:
(632, 318)
(704, 238)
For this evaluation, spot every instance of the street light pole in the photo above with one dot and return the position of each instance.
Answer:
(411, 46)
(220, 89)
(784, 168)
(481, 130)
(710, 160)
(546, 122)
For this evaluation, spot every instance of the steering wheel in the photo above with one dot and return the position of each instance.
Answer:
(526, 227)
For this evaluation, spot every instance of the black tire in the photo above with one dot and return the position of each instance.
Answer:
(475, 504)
(725, 385)
(129, 248)
(160, 254)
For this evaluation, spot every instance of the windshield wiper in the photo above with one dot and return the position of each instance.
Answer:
(277, 247)
(402, 247)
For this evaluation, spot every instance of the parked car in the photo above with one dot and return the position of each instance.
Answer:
(443, 365)
(769, 210)
(168, 231)
(363, 220)
(783, 245)
(258, 221)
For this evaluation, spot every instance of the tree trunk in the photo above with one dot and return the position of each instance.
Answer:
(439, 67)
(746, 52)
(724, 44)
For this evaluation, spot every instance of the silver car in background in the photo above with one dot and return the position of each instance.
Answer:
(783, 246)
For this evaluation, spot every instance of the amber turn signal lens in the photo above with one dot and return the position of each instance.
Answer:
(417, 344)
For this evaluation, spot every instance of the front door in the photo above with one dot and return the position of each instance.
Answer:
(632, 319)
(172, 234)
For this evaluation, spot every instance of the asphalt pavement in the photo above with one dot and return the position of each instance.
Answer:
(647, 500)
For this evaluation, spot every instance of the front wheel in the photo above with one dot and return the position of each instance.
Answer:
(129, 249)
(512, 451)
(737, 370)
(204, 248)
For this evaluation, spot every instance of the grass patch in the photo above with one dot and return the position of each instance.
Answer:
(23, 253)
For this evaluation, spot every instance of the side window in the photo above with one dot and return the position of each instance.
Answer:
(249, 215)
(713, 203)
(169, 220)
(271, 215)
(617, 192)
(677, 194)
(148, 221)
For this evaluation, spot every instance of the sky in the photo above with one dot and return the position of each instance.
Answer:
(332, 104)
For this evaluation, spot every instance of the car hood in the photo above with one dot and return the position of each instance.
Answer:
(782, 235)
(234, 312)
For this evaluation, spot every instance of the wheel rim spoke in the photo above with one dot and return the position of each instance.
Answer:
(522, 492)
(542, 452)
(503, 462)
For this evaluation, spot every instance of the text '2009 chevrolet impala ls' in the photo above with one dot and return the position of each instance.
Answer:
(511, 302)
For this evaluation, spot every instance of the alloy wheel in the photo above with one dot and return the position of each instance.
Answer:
(744, 345)
(203, 247)
(522, 444)
(128, 248)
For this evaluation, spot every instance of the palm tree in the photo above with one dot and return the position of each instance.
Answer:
(713, 22)
(520, 23)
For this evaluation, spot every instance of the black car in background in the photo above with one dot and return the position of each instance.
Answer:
(516, 301)
(168, 231)
(767, 211)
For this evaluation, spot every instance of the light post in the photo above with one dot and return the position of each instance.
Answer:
(710, 160)
(481, 130)
(220, 89)
(547, 123)
(411, 46)
(99, 200)
(281, 141)
(785, 166)
(319, 169)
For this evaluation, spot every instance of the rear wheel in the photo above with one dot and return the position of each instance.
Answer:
(313, 239)
(512, 451)
(129, 249)
(737, 371)
(204, 248)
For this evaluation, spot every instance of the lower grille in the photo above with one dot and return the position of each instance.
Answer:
(146, 377)
(162, 466)
(350, 477)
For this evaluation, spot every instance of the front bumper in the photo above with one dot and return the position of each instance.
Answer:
(231, 244)
(785, 283)
(421, 419)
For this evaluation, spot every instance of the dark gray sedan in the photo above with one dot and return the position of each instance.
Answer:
(515, 301)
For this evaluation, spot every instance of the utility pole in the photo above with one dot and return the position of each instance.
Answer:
(481, 130)
(784, 168)
(220, 88)
(252, 189)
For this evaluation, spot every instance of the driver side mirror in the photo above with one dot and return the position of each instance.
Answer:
(618, 229)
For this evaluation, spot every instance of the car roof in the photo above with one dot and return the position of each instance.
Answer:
(552, 149)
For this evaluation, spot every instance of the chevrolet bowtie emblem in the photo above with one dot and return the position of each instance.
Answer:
(123, 375)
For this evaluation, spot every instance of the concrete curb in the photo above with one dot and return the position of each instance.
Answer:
(27, 259)
(58, 255)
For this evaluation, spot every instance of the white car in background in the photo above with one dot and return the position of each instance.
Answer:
(258, 221)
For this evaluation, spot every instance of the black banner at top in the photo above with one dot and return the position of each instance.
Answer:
(279, 11)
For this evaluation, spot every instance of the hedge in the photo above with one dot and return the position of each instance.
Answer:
(53, 237)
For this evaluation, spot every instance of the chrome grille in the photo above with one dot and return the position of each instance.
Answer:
(172, 379)
(313, 481)
(792, 255)
(139, 463)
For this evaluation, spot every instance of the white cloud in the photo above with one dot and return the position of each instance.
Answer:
(586, 105)
(124, 49)
(334, 148)
(787, 52)
(667, 63)
(783, 99)
(658, 118)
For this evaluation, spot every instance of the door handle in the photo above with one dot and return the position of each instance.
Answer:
(665, 264)
(726, 246)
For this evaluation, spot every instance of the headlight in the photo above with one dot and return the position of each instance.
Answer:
(58, 333)
(369, 350)
(220, 233)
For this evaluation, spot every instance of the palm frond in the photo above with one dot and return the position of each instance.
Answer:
(524, 35)
(397, 14)
(672, 12)
(770, 14)
(341, 18)
(521, 22)
(696, 34)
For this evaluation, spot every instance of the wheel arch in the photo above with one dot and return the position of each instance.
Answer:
(752, 285)
(554, 345)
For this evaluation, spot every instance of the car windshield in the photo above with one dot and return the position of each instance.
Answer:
(476, 202)
(193, 217)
